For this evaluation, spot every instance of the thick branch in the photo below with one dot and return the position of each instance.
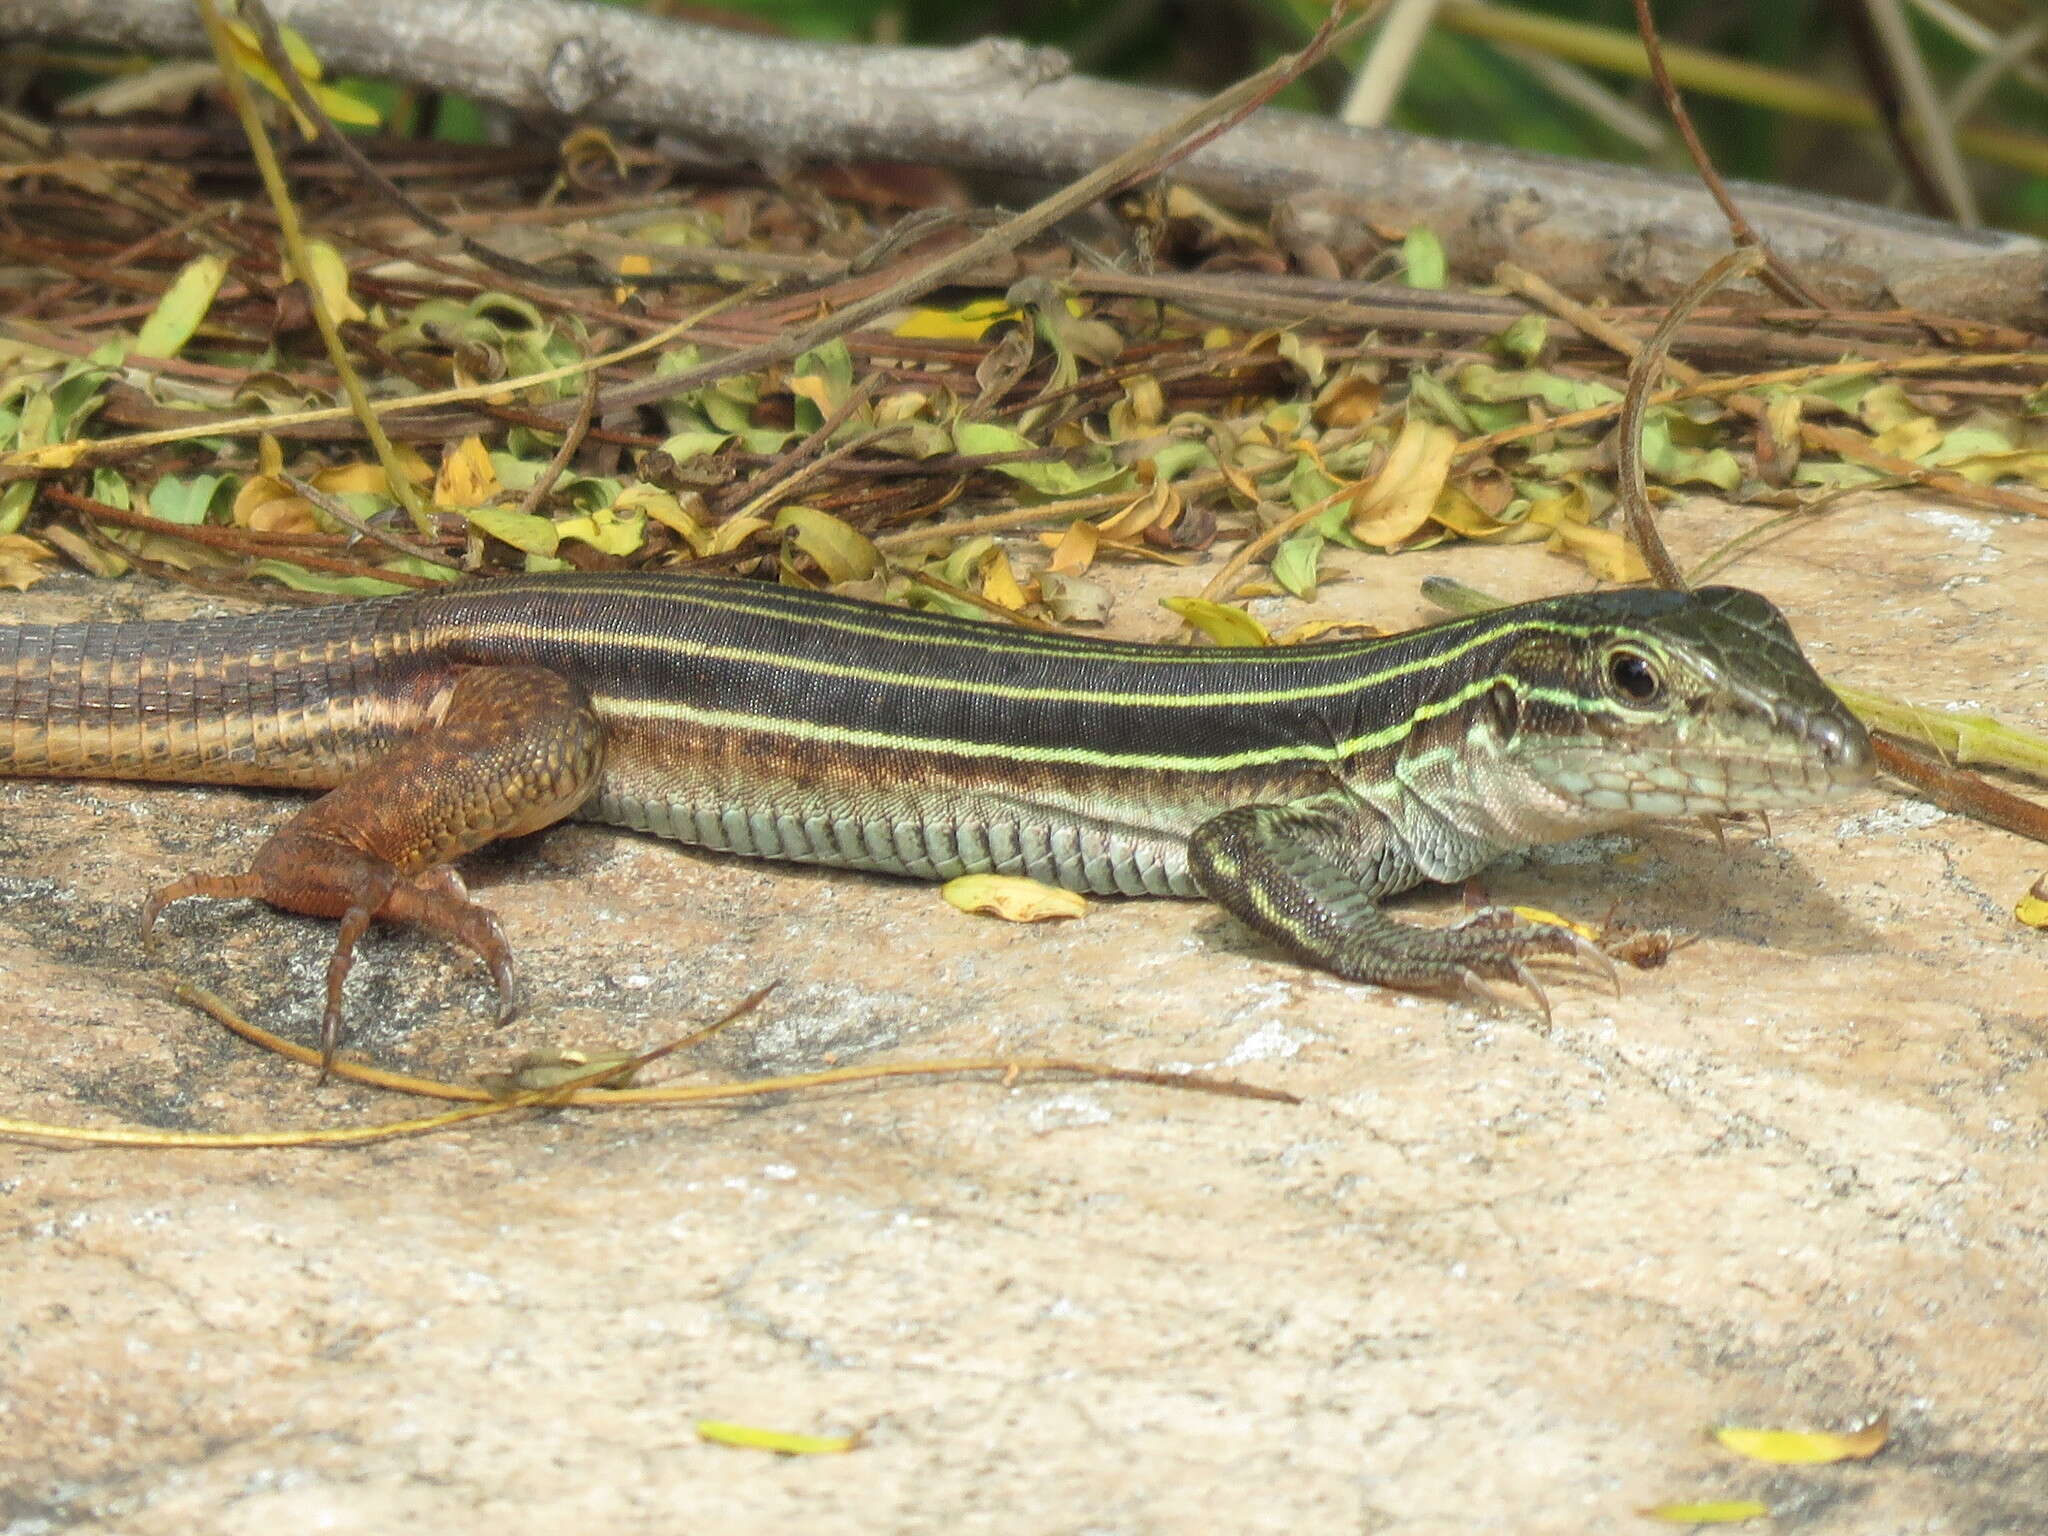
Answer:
(999, 106)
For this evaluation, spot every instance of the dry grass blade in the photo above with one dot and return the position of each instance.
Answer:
(302, 264)
(587, 1089)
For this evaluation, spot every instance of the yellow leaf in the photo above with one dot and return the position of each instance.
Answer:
(329, 278)
(817, 389)
(967, 323)
(1707, 1512)
(344, 479)
(22, 560)
(999, 583)
(268, 505)
(467, 478)
(605, 530)
(1075, 550)
(734, 532)
(679, 514)
(1457, 511)
(1327, 629)
(747, 1437)
(344, 108)
(337, 104)
(1552, 920)
(1160, 506)
(1909, 439)
(2033, 907)
(1398, 500)
(1221, 622)
(1805, 1448)
(184, 304)
(1013, 898)
(54, 456)
(416, 468)
(1603, 551)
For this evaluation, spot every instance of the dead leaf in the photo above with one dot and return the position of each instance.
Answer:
(1805, 1448)
(22, 560)
(2033, 907)
(748, 1438)
(268, 505)
(1707, 1512)
(1013, 898)
(467, 478)
(1074, 551)
(999, 583)
(1397, 501)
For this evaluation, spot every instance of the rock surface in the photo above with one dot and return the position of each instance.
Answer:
(1483, 1278)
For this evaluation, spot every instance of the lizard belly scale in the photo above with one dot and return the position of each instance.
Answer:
(913, 814)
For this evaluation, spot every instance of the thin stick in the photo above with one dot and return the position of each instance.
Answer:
(571, 441)
(1781, 277)
(1644, 370)
(339, 510)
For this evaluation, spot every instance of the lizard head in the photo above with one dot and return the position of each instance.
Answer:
(1636, 704)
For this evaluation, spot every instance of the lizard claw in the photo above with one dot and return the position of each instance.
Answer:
(1534, 988)
(1475, 988)
(1596, 960)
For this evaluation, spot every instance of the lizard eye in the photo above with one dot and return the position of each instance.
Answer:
(1504, 709)
(1633, 678)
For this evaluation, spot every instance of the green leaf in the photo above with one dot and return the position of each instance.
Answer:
(299, 579)
(1427, 388)
(522, 530)
(1524, 339)
(842, 552)
(961, 562)
(1664, 460)
(685, 446)
(1049, 477)
(1295, 563)
(184, 304)
(111, 486)
(1180, 456)
(514, 473)
(189, 502)
(1482, 381)
(506, 312)
(15, 500)
(1422, 259)
(1225, 623)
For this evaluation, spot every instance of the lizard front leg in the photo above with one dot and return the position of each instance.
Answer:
(1310, 875)
(516, 749)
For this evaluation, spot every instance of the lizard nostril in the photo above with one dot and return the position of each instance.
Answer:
(1842, 742)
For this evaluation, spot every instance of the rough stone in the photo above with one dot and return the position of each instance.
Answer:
(1485, 1277)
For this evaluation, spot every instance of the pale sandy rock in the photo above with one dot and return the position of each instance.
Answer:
(1482, 1279)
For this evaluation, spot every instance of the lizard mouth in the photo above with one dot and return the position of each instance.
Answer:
(1803, 760)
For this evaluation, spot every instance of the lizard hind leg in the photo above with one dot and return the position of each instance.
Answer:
(516, 749)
